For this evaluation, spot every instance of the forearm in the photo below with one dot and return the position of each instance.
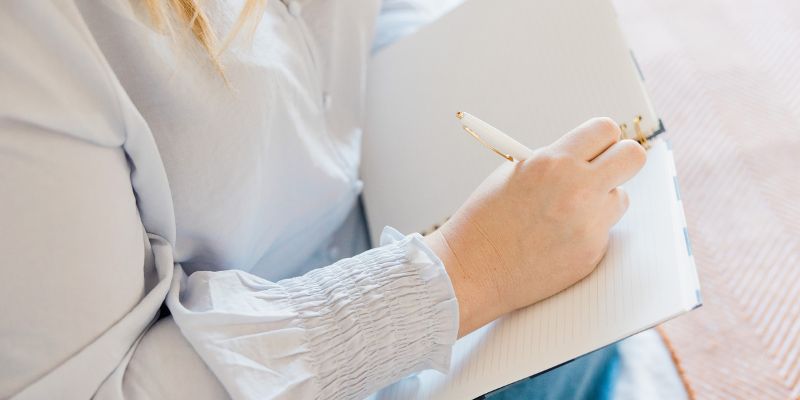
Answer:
(478, 301)
(342, 331)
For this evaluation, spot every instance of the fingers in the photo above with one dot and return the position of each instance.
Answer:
(618, 204)
(619, 163)
(589, 139)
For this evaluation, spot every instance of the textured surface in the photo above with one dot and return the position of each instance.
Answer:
(725, 78)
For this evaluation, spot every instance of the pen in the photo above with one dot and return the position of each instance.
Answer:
(493, 138)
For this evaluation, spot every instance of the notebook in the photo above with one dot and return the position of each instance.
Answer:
(534, 69)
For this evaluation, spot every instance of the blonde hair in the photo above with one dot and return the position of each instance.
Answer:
(190, 12)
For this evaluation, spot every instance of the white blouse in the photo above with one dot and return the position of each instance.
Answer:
(132, 174)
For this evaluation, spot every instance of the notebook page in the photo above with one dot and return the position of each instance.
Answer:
(515, 64)
(646, 277)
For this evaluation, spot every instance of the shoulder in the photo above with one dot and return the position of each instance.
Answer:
(55, 79)
(53, 74)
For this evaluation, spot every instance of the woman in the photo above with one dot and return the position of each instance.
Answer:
(144, 162)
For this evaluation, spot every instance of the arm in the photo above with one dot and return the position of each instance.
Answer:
(85, 281)
(76, 265)
(86, 276)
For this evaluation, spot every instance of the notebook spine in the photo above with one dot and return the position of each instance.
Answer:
(641, 137)
(636, 64)
(697, 299)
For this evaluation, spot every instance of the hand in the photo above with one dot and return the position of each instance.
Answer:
(536, 227)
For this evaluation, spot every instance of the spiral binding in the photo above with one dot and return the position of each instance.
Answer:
(639, 134)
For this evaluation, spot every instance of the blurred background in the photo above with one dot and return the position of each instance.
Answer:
(725, 78)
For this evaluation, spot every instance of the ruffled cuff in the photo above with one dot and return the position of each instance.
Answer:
(377, 317)
(342, 331)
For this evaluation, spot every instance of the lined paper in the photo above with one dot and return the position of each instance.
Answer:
(521, 67)
(646, 277)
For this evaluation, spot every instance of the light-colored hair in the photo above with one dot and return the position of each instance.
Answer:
(191, 13)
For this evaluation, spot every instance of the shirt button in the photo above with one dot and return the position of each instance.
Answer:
(327, 100)
(295, 8)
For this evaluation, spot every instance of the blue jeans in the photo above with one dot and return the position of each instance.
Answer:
(589, 377)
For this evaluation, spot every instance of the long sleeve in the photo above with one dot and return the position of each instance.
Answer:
(75, 272)
(342, 331)
(88, 239)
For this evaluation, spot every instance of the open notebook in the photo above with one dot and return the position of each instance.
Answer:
(534, 69)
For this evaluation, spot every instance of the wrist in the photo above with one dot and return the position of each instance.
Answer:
(475, 306)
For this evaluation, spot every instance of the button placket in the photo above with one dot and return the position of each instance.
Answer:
(327, 100)
(295, 8)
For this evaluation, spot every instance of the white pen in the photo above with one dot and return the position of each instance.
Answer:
(493, 138)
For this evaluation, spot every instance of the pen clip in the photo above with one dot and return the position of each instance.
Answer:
(487, 145)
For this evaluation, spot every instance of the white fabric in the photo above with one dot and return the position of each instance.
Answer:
(128, 162)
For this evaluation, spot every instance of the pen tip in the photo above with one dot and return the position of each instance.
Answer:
(459, 115)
